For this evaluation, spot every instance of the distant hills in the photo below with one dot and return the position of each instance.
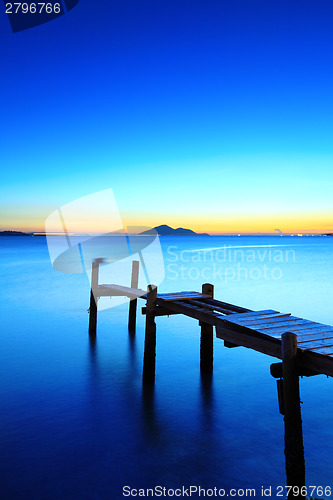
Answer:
(164, 230)
(13, 233)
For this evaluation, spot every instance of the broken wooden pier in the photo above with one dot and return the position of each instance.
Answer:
(304, 347)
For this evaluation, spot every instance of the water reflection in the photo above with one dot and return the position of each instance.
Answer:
(206, 386)
(131, 345)
(146, 419)
(149, 421)
(93, 354)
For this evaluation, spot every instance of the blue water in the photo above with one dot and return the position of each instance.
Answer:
(75, 422)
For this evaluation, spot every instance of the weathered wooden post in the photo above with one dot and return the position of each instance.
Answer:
(149, 359)
(206, 337)
(133, 302)
(93, 297)
(293, 436)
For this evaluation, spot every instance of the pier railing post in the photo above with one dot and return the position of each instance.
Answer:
(93, 297)
(206, 337)
(149, 359)
(133, 302)
(293, 437)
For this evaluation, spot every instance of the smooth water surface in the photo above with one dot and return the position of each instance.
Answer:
(75, 422)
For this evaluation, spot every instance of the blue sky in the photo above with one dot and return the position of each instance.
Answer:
(212, 114)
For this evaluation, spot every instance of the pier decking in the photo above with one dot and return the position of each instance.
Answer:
(304, 346)
(237, 326)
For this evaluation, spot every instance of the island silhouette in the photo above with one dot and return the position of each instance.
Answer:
(165, 230)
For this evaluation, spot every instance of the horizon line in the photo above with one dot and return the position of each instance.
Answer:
(228, 233)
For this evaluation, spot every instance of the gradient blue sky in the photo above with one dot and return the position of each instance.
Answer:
(210, 114)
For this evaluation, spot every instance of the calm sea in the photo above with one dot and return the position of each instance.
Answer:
(75, 422)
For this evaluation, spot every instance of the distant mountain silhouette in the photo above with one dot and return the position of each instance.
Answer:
(165, 230)
(13, 233)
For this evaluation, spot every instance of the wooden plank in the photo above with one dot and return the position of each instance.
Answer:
(278, 331)
(246, 337)
(316, 344)
(318, 347)
(262, 319)
(283, 324)
(182, 296)
(311, 330)
(259, 321)
(303, 339)
(272, 331)
(165, 296)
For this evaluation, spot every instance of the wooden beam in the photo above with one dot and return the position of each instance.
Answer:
(93, 297)
(265, 346)
(230, 345)
(133, 301)
(316, 362)
(203, 305)
(277, 371)
(149, 360)
(226, 305)
(206, 337)
(279, 386)
(293, 437)
(159, 311)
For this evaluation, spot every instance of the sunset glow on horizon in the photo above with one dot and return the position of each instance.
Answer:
(275, 224)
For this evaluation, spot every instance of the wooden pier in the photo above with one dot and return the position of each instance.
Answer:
(304, 347)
